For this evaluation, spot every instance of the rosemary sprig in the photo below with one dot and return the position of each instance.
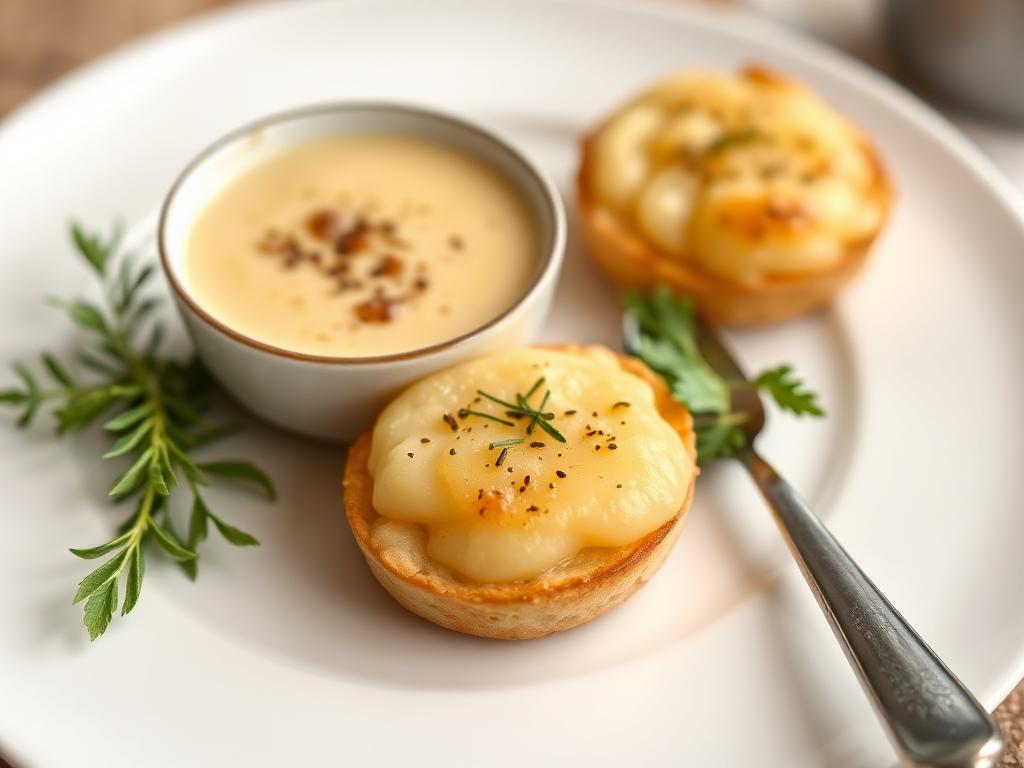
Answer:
(158, 423)
(521, 408)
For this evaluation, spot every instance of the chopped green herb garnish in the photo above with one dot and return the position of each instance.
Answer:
(521, 408)
(733, 139)
(501, 443)
(466, 412)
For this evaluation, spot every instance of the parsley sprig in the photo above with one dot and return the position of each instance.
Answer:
(158, 421)
(667, 343)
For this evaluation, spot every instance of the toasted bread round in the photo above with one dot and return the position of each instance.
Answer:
(564, 596)
(631, 260)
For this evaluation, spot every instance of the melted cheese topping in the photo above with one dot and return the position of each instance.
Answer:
(748, 175)
(500, 523)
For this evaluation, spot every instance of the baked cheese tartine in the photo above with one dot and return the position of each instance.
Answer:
(746, 191)
(477, 522)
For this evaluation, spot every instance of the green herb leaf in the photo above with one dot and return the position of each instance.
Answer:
(133, 584)
(99, 609)
(242, 470)
(102, 575)
(156, 479)
(127, 418)
(93, 552)
(130, 480)
(23, 373)
(169, 545)
(92, 248)
(197, 533)
(236, 536)
(85, 314)
(131, 441)
(13, 397)
(56, 370)
(140, 280)
(719, 440)
(83, 409)
(787, 390)
(197, 530)
(97, 365)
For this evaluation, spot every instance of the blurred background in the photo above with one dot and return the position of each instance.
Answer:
(965, 57)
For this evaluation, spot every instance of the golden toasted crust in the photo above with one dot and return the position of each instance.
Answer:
(565, 596)
(630, 261)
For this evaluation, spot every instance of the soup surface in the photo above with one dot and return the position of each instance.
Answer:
(362, 245)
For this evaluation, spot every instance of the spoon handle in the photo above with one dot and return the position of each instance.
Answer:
(932, 719)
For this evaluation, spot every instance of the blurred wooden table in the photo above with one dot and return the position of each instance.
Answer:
(42, 39)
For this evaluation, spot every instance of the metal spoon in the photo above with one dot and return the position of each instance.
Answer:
(930, 717)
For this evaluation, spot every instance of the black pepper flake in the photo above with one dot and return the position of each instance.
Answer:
(591, 433)
(536, 444)
(424, 439)
(597, 447)
(409, 454)
(532, 508)
(611, 446)
(479, 494)
(526, 480)
(510, 468)
(451, 451)
(451, 422)
(560, 473)
(570, 413)
(501, 458)
(620, 404)
(618, 485)
(522, 488)
(551, 485)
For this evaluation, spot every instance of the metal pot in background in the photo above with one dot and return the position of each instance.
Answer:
(971, 51)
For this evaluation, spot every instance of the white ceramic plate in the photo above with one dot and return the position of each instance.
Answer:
(291, 654)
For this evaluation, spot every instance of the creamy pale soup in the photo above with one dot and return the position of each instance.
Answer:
(361, 246)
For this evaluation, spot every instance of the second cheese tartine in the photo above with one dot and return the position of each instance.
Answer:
(746, 191)
(477, 522)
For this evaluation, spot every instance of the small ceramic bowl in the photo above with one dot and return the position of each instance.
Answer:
(327, 397)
